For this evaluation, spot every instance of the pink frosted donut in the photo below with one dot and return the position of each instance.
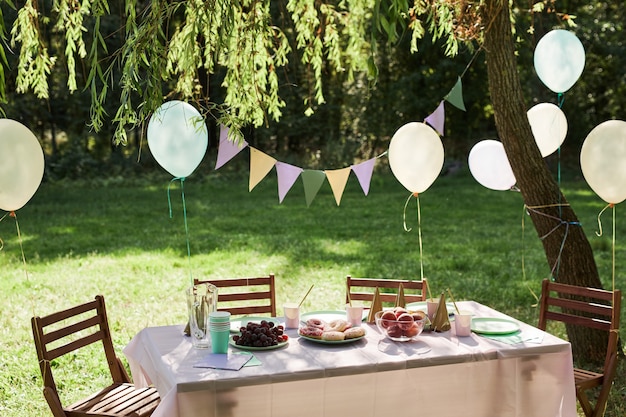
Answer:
(315, 323)
(310, 331)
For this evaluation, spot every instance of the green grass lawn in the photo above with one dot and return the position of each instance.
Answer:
(118, 240)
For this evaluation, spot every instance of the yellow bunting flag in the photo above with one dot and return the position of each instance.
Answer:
(260, 165)
(338, 179)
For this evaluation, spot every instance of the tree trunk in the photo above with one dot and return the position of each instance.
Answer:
(567, 249)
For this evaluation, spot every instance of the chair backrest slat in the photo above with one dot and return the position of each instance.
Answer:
(71, 329)
(240, 289)
(388, 288)
(73, 345)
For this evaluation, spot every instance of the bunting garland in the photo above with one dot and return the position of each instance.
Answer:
(261, 163)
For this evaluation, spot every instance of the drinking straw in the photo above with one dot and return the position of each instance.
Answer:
(430, 296)
(348, 294)
(453, 302)
(305, 295)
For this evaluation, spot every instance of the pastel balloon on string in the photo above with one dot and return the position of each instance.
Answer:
(490, 166)
(177, 137)
(21, 165)
(602, 160)
(416, 156)
(549, 126)
(559, 60)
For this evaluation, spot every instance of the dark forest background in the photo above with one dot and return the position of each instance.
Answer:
(359, 116)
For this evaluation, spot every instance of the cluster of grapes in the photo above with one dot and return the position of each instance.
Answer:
(262, 334)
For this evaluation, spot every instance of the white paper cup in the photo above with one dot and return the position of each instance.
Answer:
(431, 307)
(354, 315)
(463, 323)
(292, 315)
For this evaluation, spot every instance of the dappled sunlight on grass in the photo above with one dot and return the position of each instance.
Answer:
(125, 246)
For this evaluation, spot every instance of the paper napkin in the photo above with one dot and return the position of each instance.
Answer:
(223, 361)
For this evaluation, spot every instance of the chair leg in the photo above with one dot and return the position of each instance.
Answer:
(583, 400)
(54, 402)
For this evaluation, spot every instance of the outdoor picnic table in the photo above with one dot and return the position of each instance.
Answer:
(528, 373)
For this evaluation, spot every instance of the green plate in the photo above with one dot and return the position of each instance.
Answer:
(494, 326)
(242, 347)
(421, 305)
(236, 324)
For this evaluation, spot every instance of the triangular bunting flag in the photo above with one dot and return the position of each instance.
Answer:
(260, 165)
(227, 149)
(455, 96)
(377, 305)
(363, 172)
(400, 300)
(312, 180)
(287, 175)
(338, 179)
(437, 118)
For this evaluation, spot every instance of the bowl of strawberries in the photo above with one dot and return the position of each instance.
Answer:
(400, 324)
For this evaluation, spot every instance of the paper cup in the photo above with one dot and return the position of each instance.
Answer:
(292, 315)
(463, 323)
(354, 315)
(431, 307)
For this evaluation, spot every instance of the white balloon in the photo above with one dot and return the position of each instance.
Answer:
(490, 166)
(416, 156)
(178, 137)
(559, 60)
(603, 160)
(21, 164)
(549, 126)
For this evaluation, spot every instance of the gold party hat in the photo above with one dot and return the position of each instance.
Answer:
(441, 321)
(400, 301)
(377, 305)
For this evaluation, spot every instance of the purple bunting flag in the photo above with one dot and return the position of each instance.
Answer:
(227, 149)
(287, 176)
(363, 172)
(436, 119)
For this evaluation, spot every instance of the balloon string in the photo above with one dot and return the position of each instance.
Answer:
(169, 201)
(2, 241)
(613, 269)
(19, 238)
(404, 214)
(560, 98)
(599, 232)
(561, 222)
(419, 230)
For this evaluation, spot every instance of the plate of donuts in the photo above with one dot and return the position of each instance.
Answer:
(329, 327)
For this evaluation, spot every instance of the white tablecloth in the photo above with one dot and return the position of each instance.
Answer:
(439, 375)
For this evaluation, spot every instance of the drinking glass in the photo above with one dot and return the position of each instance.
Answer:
(201, 301)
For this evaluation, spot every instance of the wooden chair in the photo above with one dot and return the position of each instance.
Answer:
(362, 289)
(66, 331)
(589, 307)
(251, 291)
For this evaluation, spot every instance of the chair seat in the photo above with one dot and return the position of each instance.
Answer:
(587, 379)
(117, 400)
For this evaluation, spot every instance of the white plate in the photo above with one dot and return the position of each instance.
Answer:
(237, 323)
(494, 326)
